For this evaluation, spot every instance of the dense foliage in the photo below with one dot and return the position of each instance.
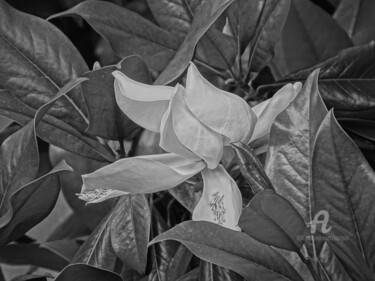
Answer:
(296, 160)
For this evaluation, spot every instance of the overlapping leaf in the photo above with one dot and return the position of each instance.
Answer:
(231, 249)
(36, 60)
(85, 272)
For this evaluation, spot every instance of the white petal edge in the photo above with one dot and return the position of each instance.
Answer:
(221, 200)
(221, 111)
(143, 104)
(142, 174)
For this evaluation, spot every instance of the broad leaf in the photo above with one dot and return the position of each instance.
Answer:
(356, 17)
(268, 31)
(231, 249)
(251, 168)
(307, 37)
(130, 230)
(343, 186)
(106, 119)
(127, 32)
(262, 220)
(36, 60)
(84, 272)
(291, 142)
(207, 12)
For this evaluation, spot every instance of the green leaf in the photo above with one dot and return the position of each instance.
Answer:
(343, 185)
(192, 275)
(130, 230)
(231, 249)
(106, 119)
(291, 143)
(127, 32)
(185, 195)
(251, 168)
(205, 16)
(36, 60)
(262, 220)
(179, 263)
(243, 16)
(356, 17)
(32, 254)
(307, 37)
(84, 272)
(268, 31)
(213, 272)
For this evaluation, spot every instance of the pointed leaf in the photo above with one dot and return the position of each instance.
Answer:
(306, 37)
(84, 272)
(251, 168)
(127, 32)
(231, 249)
(343, 186)
(130, 230)
(355, 16)
(262, 220)
(291, 142)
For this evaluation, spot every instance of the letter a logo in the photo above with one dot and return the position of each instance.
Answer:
(323, 222)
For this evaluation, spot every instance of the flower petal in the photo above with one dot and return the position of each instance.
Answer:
(194, 135)
(223, 112)
(142, 174)
(144, 104)
(168, 139)
(221, 200)
(267, 110)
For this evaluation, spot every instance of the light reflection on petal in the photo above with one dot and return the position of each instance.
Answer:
(144, 104)
(221, 200)
(223, 112)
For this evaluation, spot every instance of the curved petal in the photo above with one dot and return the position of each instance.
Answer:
(142, 174)
(144, 104)
(194, 135)
(168, 139)
(267, 110)
(221, 200)
(223, 112)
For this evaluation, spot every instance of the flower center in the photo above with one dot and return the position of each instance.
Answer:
(216, 205)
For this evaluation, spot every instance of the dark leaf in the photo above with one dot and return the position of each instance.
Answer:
(251, 168)
(130, 230)
(213, 272)
(179, 263)
(185, 195)
(36, 60)
(32, 254)
(127, 32)
(262, 220)
(356, 17)
(32, 277)
(190, 276)
(307, 37)
(64, 248)
(106, 118)
(231, 249)
(268, 31)
(290, 147)
(343, 186)
(84, 272)
(206, 14)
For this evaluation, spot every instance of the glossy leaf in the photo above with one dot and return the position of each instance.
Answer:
(356, 17)
(291, 143)
(343, 185)
(36, 61)
(262, 220)
(268, 31)
(205, 16)
(231, 249)
(127, 32)
(97, 250)
(106, 119)
(130, 230)
(251, 168)
(84, 272)
(307, 37)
